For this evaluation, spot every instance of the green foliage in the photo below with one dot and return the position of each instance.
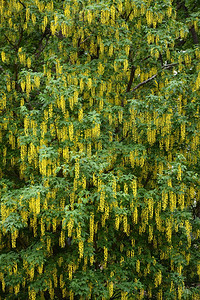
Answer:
(99, 149)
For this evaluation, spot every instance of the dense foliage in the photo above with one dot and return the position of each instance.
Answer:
(99, 149)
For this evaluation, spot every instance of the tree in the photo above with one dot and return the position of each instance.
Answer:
(99, 131)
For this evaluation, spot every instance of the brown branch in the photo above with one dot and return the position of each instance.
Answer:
(152, 77)
(22, 3)
(20, 38)
(149, 176)
(169, 66)
(144, 82)
(192, 29)
(85, 39)
(131, 79)
(40, 48)
(194, 35)
(14, 46)
(129, 15)
(161, 59)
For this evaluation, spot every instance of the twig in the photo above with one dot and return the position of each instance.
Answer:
(22, 3)
(85, 39)
(152, 77)
(169, 66)
(10, 41)
(40, 49)
(144, 82)
(129, 15)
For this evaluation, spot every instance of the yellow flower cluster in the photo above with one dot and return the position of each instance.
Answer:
(75, 94)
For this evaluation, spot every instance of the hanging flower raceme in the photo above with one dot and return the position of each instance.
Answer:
(98, 111)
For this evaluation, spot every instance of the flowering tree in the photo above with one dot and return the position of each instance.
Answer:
(99, 132)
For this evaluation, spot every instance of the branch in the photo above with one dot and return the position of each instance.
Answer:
(20, 38)
(85, 39)
(128, 15)
(192, 30)
(40, 48)
(10, 41)
(116, 295)
(22, 3)
(194, 36)
(161, 59)
(144, 82)
(169, 66)
(149, 176)
(131, 79)
(152, 77)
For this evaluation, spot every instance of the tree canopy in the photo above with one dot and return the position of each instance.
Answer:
(99, 149)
